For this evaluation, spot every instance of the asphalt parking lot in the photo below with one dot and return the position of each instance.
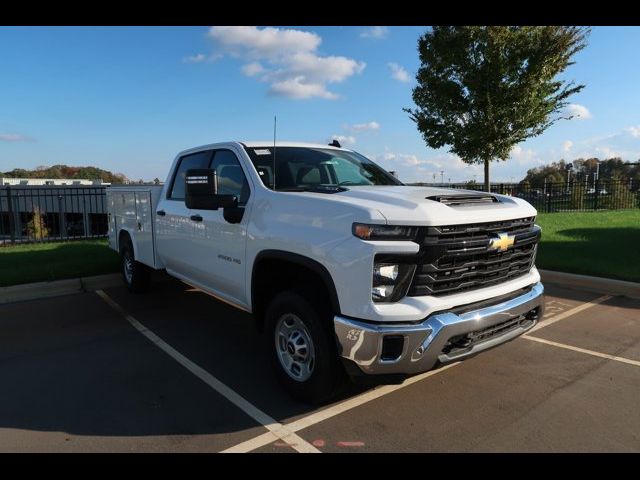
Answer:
(176, 370)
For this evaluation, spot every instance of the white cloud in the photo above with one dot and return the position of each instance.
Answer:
(294, 69)
(268, 42)
(398, 72)
(344, 139)
(634, 131)
(412, 168)
(566, 146)
(361, 127)
(524, 156)
(375, 32)
(197, 58)
(605, 152)
(578, 112)
(297, 88)
(13, 137)
(252, 69)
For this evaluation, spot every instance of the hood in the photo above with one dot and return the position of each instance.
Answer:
(408, 205)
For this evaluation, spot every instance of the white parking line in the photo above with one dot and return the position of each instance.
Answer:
(583, 350)
(334, 410)
(314, 418)
(568, 313)
(276, 429)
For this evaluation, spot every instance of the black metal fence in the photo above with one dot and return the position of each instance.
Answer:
(50, 213)
(603, 194)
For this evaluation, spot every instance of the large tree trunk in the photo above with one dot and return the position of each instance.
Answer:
(487, 185)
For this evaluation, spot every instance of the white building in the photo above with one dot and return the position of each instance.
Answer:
(48, 181)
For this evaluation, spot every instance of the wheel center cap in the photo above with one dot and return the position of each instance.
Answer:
(290, 348)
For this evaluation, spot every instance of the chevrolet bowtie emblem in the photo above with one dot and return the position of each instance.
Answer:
(502, 243)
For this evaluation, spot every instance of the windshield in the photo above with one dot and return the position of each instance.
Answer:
(306, 167)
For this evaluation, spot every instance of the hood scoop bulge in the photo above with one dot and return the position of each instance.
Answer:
(464, 199)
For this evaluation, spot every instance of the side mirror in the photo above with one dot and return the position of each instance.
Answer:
(201, 191)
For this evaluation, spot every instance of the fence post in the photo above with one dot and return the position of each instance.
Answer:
(597, 193)
(61, 225)
(548, 202)
(85, 216)
(12, 223)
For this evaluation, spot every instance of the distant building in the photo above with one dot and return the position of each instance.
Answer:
(48, 181)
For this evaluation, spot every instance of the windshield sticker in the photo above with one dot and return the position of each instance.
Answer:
(262, 151)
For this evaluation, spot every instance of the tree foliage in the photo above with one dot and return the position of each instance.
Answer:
(36, 227)
(65, 171)
(483, 90)
(556, 172)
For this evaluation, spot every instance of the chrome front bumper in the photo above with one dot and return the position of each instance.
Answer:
(428, 342)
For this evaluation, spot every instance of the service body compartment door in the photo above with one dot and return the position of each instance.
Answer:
(144, 228)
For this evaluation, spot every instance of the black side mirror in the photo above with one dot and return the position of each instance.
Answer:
(201, 191)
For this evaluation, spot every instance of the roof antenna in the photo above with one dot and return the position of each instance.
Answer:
(274, 151)
(335, 143)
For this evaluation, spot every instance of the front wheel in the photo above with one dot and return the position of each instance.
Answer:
(302, 348)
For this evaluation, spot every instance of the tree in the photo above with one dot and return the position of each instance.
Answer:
(483, 90)
(36, 227)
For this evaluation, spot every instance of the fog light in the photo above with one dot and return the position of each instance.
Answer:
(390, 280)
(385, 272)
(382, 292)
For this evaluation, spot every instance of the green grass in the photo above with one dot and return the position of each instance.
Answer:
(54, 261)
(602, 244)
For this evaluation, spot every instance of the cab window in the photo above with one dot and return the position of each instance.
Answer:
(231, 177)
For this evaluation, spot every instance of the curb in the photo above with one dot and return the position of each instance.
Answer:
(592, 284)
(32, 291)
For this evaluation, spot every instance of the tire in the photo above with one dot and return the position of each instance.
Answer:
(136, 275)
(295, 326)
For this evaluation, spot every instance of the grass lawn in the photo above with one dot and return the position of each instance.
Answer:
(602, 244)
(54, 261)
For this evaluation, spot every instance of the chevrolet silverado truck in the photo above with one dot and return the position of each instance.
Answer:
(345, 269)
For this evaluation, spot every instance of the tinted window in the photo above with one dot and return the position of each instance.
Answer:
(300, 167)
(231, 178)
(195, 160)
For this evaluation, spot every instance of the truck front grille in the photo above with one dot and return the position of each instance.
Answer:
(459, 258)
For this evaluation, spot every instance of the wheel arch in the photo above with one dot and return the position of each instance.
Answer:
(123, 234)
(273, 266)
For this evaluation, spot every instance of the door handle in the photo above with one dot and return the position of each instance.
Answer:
(162, 213)
(196, 218)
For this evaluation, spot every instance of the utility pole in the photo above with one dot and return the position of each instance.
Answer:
(442, 176)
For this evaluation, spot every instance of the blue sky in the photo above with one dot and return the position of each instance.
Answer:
(128, 99)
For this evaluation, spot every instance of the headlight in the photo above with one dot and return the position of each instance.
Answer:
(384, 232)
(391, 281)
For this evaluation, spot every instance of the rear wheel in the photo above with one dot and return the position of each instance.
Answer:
(302, 347)
(136, 275)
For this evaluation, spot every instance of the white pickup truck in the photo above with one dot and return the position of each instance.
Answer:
(344, 268)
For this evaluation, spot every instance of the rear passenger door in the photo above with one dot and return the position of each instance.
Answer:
(219, 244)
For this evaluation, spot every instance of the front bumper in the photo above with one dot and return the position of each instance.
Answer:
(442, 337)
